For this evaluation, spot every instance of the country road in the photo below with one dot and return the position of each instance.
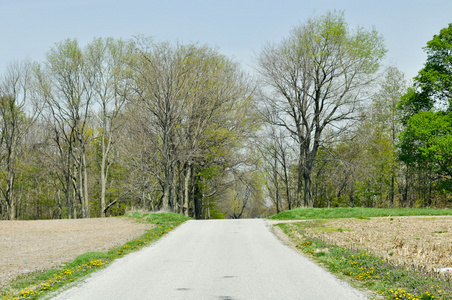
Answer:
(217, 259)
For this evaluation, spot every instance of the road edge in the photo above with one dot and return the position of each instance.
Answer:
(286, 240)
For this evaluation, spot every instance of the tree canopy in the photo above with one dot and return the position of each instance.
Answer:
(426, 141)
(317, 76)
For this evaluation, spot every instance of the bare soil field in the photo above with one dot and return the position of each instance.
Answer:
(424, 242)
(28, 246)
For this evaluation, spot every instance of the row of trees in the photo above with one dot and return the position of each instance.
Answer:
(117, 125)
(120, 124)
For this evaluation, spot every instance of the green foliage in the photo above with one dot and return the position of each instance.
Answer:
(435, 79)
(413, 102)
(426, 142)
(327, 38)
(11, 114)
(215, 214)
(356, 212)
(433, 85)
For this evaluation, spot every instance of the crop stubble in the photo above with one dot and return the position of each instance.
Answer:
(422, 242)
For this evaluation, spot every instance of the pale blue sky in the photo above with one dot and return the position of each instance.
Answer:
(238, 28)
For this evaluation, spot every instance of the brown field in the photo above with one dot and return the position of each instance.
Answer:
(28, 246)
(421, 242)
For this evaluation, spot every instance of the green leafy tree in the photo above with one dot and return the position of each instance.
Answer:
(433, 85)
(426, 142)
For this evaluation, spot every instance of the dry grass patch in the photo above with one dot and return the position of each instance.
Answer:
(424, 243)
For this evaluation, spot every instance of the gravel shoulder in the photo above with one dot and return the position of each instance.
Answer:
(29, 246)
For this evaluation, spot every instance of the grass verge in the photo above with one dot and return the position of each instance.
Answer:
(367, 270)
(356, 212)
(37, 285)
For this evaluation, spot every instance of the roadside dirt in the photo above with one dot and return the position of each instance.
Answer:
(28, 246)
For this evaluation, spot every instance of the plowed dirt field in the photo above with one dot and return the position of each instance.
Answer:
(28, 246)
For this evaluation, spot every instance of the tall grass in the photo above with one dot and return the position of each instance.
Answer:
(356, 212)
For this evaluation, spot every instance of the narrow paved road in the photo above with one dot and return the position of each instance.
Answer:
(218, 259)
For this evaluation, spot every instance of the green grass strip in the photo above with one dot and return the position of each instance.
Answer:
(36, 285)
(370, 271)
(356, 212)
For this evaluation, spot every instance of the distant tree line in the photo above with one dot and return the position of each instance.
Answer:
(118, 125)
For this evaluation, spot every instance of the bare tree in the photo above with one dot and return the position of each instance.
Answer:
(64, 84)
(277, 155)
(386, 118)
(162, 84)
(217, 88)
(18, 110)
(137, 147)
(191, 93)
(106, 62)
(317, 76)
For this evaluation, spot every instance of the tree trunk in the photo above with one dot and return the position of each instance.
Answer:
(307, 173)
(301, 171)
(67, 194)
(11, 200)
(187, 188)
(81, 194)
(103, 177)
(103, 180)
(307, 189)
(299, 185)
(74, 203)
(198, 198)
(85, 187)
(167, 204)
(167, 193)
(60, 206)
(275, 178)
(286, 183)
(10, 197)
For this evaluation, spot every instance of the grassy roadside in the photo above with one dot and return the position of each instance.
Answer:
(356, 212)
(37, 285)
(360, 267)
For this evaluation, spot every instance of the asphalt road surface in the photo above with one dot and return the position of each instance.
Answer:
(215, 259)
